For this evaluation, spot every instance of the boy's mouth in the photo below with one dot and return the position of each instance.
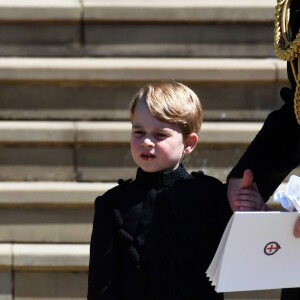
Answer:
(147, 155)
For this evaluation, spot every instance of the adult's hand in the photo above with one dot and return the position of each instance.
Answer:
(234, 184)
(243, 194)
(297, 228)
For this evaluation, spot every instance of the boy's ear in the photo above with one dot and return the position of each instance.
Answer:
(190, 143)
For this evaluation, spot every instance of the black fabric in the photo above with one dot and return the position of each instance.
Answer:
(294, 26)
(294, 23)
(154, 238)
(275, 151)
(290, 294)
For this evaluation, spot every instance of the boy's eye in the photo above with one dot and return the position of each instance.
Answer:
(161, 135)
(138, 132)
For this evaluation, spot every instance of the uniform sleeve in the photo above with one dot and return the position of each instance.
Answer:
(274, 152)
(101, 251)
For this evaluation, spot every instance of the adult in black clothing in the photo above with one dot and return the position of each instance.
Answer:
(154, 237)
(275, 151)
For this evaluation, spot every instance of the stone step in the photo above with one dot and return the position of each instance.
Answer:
(193, 28)
(100, 88)
(100, 151)
(94, 132)
(61, 194)
(125, 28)
(175, 10)
(48, 212)
(53, 212)
(53, 194)
(43, 271)
(59, 271)
(33, 27)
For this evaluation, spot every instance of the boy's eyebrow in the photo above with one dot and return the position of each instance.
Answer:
(136, 126)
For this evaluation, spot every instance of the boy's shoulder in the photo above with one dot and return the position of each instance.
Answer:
(200, 178)
(200, 184)
(122, 185)
(197, 195)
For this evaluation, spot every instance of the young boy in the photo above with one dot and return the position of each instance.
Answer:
(154, 237)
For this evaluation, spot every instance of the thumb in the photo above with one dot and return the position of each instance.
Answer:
(247, 178)
(297, 228)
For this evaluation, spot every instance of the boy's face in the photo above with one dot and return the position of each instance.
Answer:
(155, 145)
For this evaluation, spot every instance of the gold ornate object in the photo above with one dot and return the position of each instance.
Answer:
(285, 49)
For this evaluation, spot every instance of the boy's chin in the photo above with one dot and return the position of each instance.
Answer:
(157, 169)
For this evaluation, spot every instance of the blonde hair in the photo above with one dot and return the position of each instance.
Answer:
(171, 102)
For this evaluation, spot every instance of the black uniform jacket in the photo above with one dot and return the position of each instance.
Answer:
(154, 237)
(294, 28)
(275, 151)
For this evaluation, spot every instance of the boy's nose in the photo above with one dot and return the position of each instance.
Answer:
(147, 142)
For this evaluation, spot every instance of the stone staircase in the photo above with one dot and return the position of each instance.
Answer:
(67, 71)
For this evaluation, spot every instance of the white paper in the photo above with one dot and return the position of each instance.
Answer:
(245, 261)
